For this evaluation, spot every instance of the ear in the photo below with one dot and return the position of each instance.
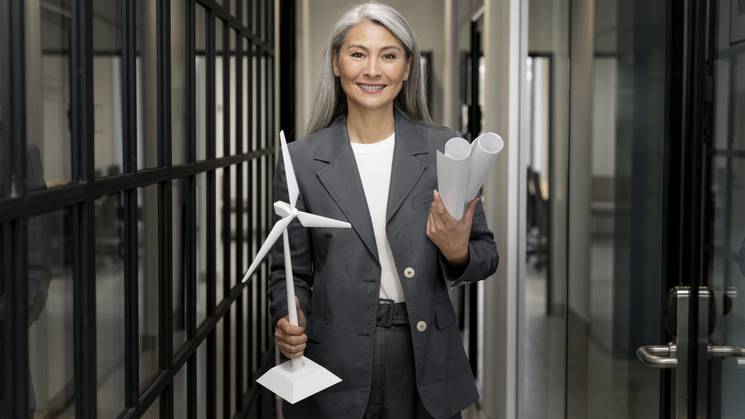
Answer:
(334, 67)
(408, 69)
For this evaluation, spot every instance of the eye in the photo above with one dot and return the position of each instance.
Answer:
(357, 54)
(389, 56)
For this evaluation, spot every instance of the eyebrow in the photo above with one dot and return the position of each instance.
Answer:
(366, 49)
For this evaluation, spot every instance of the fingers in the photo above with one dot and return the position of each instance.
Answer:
(471, 209)
(288, 328)
(290, 339)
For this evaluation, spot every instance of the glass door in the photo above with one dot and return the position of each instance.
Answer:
(726, 250)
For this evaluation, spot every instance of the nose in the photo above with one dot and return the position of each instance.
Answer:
(372, 69)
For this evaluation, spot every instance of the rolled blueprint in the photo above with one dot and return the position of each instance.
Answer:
(462, 169)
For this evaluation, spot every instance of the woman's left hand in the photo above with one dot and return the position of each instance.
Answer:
(448, 234)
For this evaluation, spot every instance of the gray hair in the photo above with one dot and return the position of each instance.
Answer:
(330, 98)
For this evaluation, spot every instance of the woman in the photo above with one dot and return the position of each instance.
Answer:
(372, 300)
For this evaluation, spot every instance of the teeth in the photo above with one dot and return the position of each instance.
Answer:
(370, 87)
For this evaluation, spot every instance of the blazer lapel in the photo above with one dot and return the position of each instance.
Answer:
(406, 169)
(341, 179)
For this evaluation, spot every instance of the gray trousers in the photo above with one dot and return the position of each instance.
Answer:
(393, 394)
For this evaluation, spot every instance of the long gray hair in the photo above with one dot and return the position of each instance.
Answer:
(330, 98)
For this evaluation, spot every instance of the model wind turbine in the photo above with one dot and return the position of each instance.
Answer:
(298, 378)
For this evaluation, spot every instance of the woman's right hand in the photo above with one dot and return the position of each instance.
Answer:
(291, 339)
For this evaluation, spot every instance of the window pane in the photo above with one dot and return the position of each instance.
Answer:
(245, 97)
(47, 48)
(4, 110)
(179, 393)
(202, 380)
(232, 233)
(50, 339)
(233, 92)
(110, 305)
(154, 411)
(107, 94)
(220, 367)
(201, 81)
(179, 123)
(233, 342)
(147, 259)
(219, 80)
(147, 83)
(202, 201)
(220, 236)
(180, 260)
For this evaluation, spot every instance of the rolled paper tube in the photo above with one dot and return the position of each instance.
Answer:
(452, 175)
(484, 152)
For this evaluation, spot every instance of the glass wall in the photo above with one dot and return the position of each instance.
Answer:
(616, 202)
(542, 307)
(726, 257)
(143, 203)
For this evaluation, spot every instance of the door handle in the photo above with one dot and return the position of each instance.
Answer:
(658, 356)
(727, 351)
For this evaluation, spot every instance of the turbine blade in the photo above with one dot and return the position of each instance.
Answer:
(292, 188)
(268, 243)
(312, 220)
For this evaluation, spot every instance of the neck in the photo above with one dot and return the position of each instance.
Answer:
(370, 126)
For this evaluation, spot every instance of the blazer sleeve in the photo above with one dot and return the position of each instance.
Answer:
(302, 257)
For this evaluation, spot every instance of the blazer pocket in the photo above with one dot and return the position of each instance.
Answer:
(444, 316)
(316, 329)
(422, 199)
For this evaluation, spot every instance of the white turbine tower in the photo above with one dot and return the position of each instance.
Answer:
(298, 378)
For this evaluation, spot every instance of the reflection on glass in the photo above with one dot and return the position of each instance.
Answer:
(179, 122)
(220, 368)
(47, 47)
(726, 276)
(202, 380)
(147, 259)
(200, 67)
(147, 83)
(220, 236)
(615, 257)
(179, 393)
(154, 411)
(233, 367)
(107, 94)
(220, 147)
(233, 92)
(50, 316)
(202, 200)
(232, 233)
(110, 305)
(180, 260)
(245, 97)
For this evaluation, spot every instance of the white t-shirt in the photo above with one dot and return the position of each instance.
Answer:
(374, 162)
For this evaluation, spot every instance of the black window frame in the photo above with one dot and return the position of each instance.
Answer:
(85, 188)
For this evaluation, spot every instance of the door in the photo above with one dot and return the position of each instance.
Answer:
(706, 318)
(725, 276)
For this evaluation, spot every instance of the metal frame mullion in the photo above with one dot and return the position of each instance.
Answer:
(165, 204)
(190, 32)
(239, 209)
(16, 292)
(84, 284)
(225, 209)
(211, 216)
(129, 199)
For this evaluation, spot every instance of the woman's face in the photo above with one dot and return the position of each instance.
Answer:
(372, 66)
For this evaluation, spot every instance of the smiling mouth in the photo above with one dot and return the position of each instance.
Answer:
(372, 88)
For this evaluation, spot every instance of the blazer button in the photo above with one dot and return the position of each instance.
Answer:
(421, 325)
(409, 272)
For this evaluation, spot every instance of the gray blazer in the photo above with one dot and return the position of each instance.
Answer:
(337, 273)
